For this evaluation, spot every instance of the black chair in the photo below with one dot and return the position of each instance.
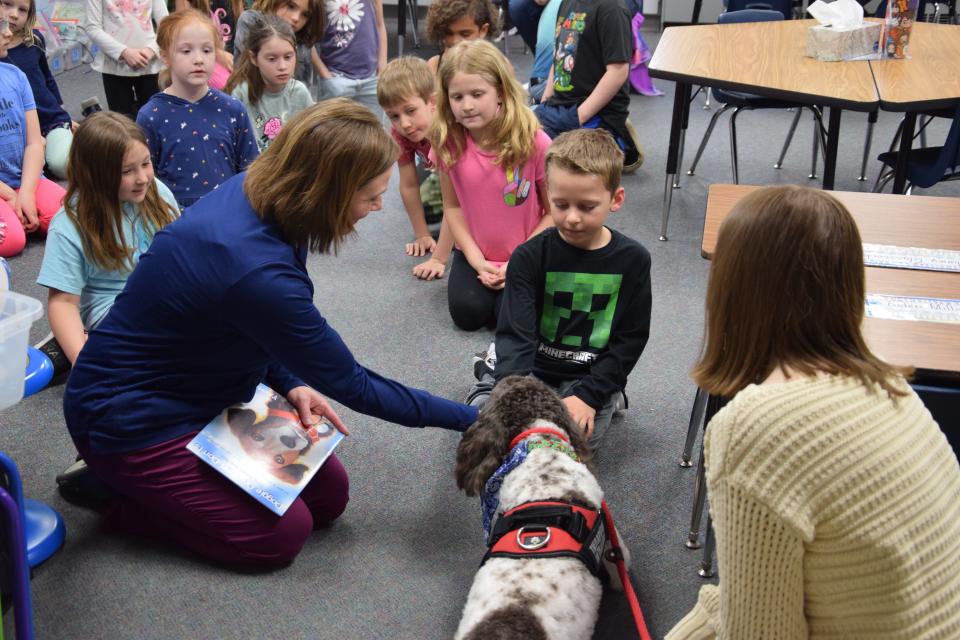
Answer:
(739, 101)
(929, 165)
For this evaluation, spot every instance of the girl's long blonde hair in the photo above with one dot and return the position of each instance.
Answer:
(514, 128)
(246, 70)
(92, 201)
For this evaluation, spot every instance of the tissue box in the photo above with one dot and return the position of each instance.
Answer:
(829, 44)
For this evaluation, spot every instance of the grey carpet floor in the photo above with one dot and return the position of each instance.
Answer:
(399, 563)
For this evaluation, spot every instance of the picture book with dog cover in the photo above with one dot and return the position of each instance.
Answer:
(263, 448)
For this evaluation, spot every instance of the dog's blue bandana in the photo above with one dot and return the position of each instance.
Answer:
(490, 498)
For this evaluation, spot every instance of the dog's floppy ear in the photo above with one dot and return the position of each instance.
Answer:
(481, 451)
(240, 420)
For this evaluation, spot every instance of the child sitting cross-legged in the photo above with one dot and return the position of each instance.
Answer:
(587, 84)
(576, 306)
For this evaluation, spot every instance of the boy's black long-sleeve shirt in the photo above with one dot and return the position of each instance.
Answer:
(573, 314)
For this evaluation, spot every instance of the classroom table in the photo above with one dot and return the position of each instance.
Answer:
(912, 221)
(763, 58)
(928, 80)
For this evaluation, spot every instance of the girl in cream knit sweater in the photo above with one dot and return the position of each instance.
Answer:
(834, 494)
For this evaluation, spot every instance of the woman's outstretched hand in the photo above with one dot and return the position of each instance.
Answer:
(310, 404)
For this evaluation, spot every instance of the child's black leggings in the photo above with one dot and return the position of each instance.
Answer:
(472, 305)
(126, 94)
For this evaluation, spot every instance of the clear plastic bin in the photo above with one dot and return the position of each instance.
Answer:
(17, 313)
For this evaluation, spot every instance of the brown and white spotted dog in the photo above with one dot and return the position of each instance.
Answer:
(529, 598)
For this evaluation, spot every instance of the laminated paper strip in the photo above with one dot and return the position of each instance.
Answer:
(909, 308)
(888, 255)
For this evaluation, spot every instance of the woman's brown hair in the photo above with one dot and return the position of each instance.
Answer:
(246, 70)
(93, 184)
(787, 290)
(312, 31)
(306, 179)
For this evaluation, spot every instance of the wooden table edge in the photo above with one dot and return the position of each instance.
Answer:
(775, 94)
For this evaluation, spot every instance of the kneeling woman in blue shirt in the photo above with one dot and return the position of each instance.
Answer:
(220, 302)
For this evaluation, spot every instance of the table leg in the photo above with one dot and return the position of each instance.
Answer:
(830, 153)
(678, 125)
(871, 121)
(903, 156)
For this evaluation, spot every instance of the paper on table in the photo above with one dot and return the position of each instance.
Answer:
(910, 308)
(839, 15)
(888, 255)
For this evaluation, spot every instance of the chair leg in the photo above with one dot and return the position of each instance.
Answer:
(882, 180)
(696, 421)
(786, 143)
(706, 137)
(733, 144)
(871, 120)
(706, 101)
(709, 546)
(699, 497)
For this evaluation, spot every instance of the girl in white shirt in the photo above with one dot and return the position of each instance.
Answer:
(128, 59)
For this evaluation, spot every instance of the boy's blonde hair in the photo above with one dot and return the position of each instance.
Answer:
(587, 151)
(404, 78)
(283, 186)
(515, 126)
(443, 13)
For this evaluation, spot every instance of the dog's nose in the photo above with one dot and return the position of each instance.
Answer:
(288, 441)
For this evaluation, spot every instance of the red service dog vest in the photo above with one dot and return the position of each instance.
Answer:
(549, 529)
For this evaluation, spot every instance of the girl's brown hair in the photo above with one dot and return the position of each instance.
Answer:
(93, 185)
(306, 179)
(515, 127)
(169, 28)
(787, 290)
(443, 13)
(236, 8)
(246, 70)
(312, 31)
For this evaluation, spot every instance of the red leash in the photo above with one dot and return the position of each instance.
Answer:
(616, 554)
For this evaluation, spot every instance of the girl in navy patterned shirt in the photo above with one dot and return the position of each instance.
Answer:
(199, 137)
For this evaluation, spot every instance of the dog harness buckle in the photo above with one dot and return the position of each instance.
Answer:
(533, 538)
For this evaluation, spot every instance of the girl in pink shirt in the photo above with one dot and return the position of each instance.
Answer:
(490, 154)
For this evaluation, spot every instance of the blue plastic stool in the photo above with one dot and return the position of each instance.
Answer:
(43, 527)
(39, 372)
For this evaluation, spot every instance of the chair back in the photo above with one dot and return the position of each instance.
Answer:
(926, 176)
(944, 405)
(784, 7)
(749, 15)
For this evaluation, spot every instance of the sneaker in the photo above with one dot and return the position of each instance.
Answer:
(480, 393)
(621, 403)
(80, 486)
(484, 362)
(633, 151)
(61, 364)
(90, 106)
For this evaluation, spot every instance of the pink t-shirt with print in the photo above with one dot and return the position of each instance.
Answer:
(500, 204)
